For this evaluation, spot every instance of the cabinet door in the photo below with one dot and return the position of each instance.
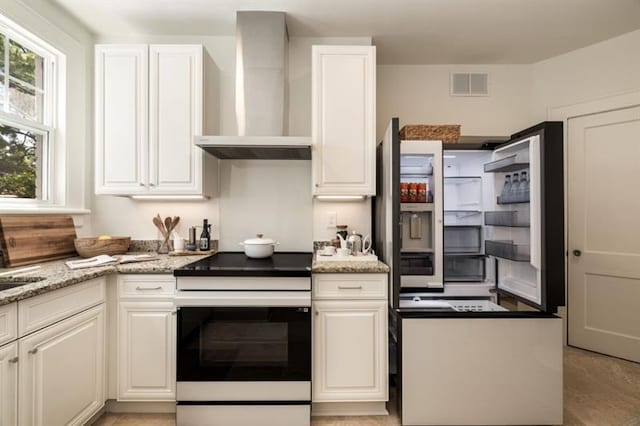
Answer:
(146, 351)
(175, 104)
(121, 104)
(62, 371)
(343, 120)
(9, 384)
(349, 351)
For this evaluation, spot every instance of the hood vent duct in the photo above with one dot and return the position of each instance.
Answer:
(261, 94)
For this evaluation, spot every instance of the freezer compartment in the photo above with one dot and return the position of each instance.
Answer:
(463, 239)
(514, 362)
(507, 218)
(506, 249)
(416, 263)
(463, 268)
(462, 217)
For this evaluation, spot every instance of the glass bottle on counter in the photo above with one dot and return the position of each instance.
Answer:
(205, 236)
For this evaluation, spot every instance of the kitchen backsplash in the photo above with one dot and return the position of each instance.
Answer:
(152, 245)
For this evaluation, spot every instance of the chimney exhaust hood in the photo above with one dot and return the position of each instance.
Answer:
(261, 81)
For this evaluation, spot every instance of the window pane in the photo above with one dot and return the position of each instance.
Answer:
(3, 91)
(21, 153)
(25, 102)
(25, 65)
(2, 52)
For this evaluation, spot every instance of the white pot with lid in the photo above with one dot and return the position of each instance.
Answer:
(259, 247)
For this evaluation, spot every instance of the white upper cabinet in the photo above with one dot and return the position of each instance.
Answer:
(343, 120)
(175, 117)
(121, 79)
(148, 110)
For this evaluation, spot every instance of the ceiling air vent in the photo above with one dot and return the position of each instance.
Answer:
(469, 84)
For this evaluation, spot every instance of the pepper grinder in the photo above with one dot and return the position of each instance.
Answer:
(192, 239)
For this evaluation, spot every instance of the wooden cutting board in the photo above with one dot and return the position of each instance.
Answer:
(28, 239)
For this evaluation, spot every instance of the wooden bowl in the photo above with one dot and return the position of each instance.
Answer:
(92, 246)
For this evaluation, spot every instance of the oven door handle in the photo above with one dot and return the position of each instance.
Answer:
(243, 298)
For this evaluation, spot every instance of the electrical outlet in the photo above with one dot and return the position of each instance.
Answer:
(332, 219)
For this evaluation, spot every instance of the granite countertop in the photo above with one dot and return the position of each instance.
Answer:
(349, 267)
(57, 275)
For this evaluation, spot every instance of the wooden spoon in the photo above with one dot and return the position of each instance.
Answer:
(158, 223)
(168, 225)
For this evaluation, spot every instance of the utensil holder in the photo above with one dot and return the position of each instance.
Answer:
(165, 245)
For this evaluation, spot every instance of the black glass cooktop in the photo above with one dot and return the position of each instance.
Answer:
(230, 264)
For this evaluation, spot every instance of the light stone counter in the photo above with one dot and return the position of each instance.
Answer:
(348, 267)
(57, 275)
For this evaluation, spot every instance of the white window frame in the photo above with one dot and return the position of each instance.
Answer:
(50, 195)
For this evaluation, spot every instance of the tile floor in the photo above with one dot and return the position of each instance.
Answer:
(598, 391)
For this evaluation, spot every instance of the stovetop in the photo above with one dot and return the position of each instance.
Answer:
(231, 264)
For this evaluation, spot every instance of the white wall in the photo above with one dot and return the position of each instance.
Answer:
(419, 94)
(63, 32)
(597, 71)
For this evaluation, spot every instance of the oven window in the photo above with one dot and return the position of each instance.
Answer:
(256, 343)
(246, 343)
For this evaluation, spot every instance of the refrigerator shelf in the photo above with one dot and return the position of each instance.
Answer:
(416, 250)
(416, 207)
(506, 249)
(501, 202)
(507, 218)
(504, 165)
(460, 180)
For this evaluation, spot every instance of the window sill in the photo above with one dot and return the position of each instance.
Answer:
(42, 210)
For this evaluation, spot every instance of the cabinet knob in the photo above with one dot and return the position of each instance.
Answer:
(13, 360)
(141, 183)
(317, 313)
(33, 351)
(577, 253)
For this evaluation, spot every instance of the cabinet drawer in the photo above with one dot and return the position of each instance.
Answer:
(40, 311)
(8, 323)
(350, 286)
(146, 286)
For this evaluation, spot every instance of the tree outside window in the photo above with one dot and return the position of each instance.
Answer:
(23, 139)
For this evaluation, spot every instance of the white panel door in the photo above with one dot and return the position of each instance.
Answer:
(343, 120)
(175, 117)
(62, 371)
(9, 384)
(121, 102)
(146, 351)
(603, 233)
(349, 351)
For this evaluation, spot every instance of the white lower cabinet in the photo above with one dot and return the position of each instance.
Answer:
(349, 339)
(350, 351)
(146, 338)
(62, 371)
(146, 351)
(9, 384)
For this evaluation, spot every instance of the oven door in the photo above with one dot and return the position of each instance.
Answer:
(244, 344)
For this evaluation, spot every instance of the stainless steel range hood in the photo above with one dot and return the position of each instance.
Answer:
(261, 81)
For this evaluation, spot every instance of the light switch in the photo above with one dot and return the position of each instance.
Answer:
(332, 219)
